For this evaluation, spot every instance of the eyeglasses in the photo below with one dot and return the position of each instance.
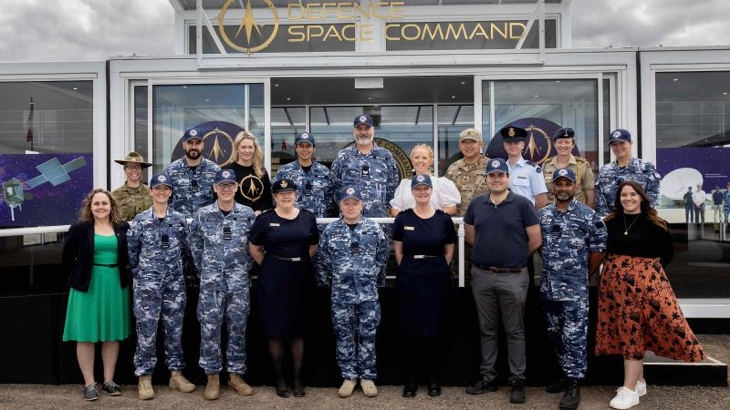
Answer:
(133, 167)
(227, 187)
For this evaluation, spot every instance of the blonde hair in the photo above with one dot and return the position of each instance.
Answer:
(430, 154)
(258, 155)
(85, 214)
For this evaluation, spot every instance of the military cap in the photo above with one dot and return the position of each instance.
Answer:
(563, 173)
(421, 180)
(497, 165)
(565, 132)
(304, 137)
(619, 135)
(192, 133)
(133, 157)
(350, 192)
(363, 119)
(283, 185)
(160, 179)
(225, 176)
(511, 133)
(470, 134)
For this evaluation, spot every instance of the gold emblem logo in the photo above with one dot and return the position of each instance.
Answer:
(251, 187)
(219, 153)
(538, 151)
(248, 25)
(566, 134)
(511, 132)
(284, 184)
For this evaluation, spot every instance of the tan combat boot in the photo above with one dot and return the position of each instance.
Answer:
(145, 387)
(348, 386)
(213, 388)
(368, 388)
(239, 385)
(179, 382)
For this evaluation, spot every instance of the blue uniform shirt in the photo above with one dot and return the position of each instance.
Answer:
(219, 245)
(353, 260)
(726, 202)
(157, 246)
(314, 188)
(525, 178)
(191, 189)
(610, 176)
(567, 239)
(375, 174)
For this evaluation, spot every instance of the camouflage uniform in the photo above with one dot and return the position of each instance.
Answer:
(314, 188)
(610, 176)
(132, 200)
(354, 263)
(375, 174)
(156, 251)
(726, 204)
(585, 180)
(567, 239)
(219, 245)
(470, 180)
(191, 190)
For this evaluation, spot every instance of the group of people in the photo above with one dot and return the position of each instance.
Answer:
(694, 204)
(242, 221)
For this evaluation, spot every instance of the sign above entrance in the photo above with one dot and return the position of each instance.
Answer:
(261, 27)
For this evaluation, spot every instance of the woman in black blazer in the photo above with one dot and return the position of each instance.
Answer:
(95, 255)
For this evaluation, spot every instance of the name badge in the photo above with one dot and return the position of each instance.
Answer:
(227, 233)
(165, 241)
(521, 177)
(274, 224)
(409, 228)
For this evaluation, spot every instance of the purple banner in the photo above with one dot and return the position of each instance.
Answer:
(43, 189)
(682, 168)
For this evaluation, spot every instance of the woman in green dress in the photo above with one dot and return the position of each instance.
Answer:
(95, 255)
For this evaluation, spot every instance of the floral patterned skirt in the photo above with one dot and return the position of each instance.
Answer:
(637, 311)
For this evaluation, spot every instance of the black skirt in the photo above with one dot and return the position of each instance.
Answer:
(283, 287)
(423, 291)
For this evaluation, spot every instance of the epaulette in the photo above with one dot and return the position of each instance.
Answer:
(534, 164)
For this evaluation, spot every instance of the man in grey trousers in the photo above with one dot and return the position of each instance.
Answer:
(504, 230)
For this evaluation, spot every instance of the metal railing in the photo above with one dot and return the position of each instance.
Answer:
(64, 228)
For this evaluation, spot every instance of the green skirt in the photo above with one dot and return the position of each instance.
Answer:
(103, 313)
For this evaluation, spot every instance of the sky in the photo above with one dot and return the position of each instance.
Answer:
(69, 30)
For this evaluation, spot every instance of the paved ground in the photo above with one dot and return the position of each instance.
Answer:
(594, 397)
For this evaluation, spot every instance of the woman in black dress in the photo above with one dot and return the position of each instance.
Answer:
(283, 241)
(247, 161)
(423, 239)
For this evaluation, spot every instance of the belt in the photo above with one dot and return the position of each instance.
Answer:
(107, 265)
(497, 270)
(422, 256)
(297, 259)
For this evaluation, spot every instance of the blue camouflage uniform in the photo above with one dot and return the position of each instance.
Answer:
(314, 188)
(567, 239)
(375, 174)
(191, 189)
(156, 251)
(726, 204)
(353, 261)
(219, 245)
(610, 176)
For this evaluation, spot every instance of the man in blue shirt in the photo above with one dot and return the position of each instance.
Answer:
(504, 230)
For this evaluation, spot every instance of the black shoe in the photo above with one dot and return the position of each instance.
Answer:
(571, 398)
(518, 393)
(112, 389)
(434, 389)
(282, 390)
(556, 386)
(409, 390)
(481, 386)
(91, 392)
(299, 389)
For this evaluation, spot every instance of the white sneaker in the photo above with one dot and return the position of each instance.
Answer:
(641, 388)
(625, 398)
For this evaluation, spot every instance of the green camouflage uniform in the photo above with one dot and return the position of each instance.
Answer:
(132, 200)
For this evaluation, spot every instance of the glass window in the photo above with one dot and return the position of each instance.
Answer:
(286, 124)
(543, 106)
(693, 147)
(140, 125)
(452, 120)
(177, 108)
(46, 151)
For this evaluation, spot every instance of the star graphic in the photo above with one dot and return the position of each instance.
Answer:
(249, 23)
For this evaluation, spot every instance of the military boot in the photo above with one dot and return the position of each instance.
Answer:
(213, 388)
(348, 386)
(239, 385)
(179, 382)
(571, 398)
(145, 387)
(368, 388)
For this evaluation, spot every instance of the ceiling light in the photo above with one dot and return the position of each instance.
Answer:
(276, 85)
(675, 79)
(185, 86)
(557, 81)
(370, 98)
(288, 98)
(76, 88)
(725, 93)
(453, 96)
(537, 96)
(463, 82)
(207, 100)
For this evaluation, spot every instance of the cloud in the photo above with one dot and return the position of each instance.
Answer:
(70, 30)
(603, 23)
